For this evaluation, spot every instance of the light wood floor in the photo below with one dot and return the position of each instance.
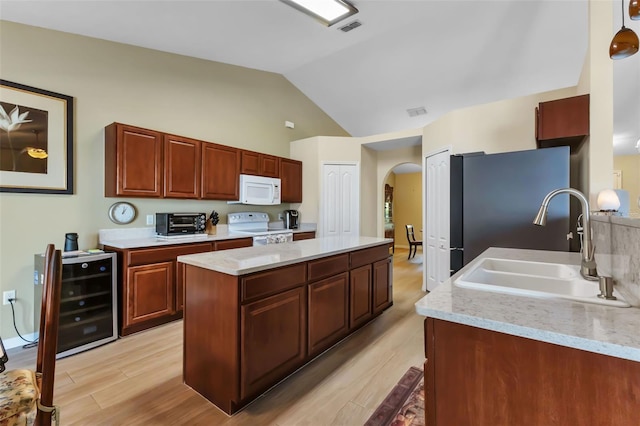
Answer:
(137, 380)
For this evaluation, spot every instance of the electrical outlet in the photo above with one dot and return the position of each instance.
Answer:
(149, 219)
(6, 295)
(279, 216)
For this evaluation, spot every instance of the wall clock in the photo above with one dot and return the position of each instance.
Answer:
(122, 212)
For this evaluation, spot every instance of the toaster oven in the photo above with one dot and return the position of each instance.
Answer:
(180, 223)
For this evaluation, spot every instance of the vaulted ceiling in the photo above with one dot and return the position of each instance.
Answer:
(436, 55)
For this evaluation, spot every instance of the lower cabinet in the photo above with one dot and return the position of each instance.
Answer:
(328, 312)
(151, 282)
(151, 292)
(360, 289)
(483, 377)
(381, 286)
(243, 334)
(273, 341)
(297, 236)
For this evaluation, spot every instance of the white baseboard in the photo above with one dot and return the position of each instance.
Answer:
(15, 342)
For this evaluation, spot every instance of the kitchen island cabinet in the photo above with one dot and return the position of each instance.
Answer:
(494, 358)
(256, 314)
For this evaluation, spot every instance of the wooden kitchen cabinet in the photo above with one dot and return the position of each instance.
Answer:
(297, 236)
(291, 180)
(361, 309)
(259, 164)
(381, 285)
(133, 162)
(483, 377)
(243, 334)
(151, 284)
(328, 312)
(562, 122)
(151, 292)
(182, 164)
(234, 243)
(273, 341)
(220, 172)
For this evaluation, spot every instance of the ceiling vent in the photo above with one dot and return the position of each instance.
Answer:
(355, 24)
(414, 112)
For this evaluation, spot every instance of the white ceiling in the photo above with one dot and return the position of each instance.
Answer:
(440, 55)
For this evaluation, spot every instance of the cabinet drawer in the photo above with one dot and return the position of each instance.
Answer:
(327, 267)
(235, 243)
(272, 282)
(163, 254)
(297, 236)
(369, 255)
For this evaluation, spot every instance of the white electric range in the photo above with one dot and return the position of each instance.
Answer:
(256, 224)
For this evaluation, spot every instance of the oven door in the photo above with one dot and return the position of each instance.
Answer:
(263, 240)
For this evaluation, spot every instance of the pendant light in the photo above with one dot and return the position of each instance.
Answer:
(634, 10)
(625, 42)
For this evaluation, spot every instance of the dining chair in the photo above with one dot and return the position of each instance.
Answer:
(26, 396)
(413, 243)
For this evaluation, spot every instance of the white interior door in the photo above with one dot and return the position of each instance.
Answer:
(437, 245)
(340, 200)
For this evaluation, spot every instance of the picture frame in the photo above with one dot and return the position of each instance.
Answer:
(36, 140)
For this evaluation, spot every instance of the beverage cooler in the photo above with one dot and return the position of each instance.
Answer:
(88, 305)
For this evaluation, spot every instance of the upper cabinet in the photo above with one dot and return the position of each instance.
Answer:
(291, 180)
(146, 163)
(220, 172)
(562, 122)
(256, 163)
(133, 162)
(182, 162)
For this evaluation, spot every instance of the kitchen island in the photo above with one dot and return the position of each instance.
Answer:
(494, 358)
(254, 315)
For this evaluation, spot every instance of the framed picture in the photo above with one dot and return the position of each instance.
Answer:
(36, 140)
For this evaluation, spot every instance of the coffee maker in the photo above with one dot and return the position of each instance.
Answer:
(291, 219)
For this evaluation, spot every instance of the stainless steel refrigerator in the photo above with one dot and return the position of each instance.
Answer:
(495, 197)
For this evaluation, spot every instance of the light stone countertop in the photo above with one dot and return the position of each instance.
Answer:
(601, 329)
(247, 260)
(127, 238)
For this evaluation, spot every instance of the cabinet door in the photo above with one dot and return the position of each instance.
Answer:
(220, 172)
(564, 120)
(250, 163)
(255, 163)
(269, 165)
(291, 180)
(360, 296)
(328, 312)
(150, 290)
(133, 161)
(381, 290)
(182, 162)
(273, 339)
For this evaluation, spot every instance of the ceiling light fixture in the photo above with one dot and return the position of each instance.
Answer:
(326, 11)
(625, 42)
(634, 10)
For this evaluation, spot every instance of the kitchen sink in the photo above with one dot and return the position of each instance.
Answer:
(534, 279)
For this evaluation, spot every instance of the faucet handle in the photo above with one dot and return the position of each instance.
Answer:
(570, 236)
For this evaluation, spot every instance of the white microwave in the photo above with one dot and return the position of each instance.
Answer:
(259, 190)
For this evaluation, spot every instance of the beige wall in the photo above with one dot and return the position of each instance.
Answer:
(114, 82)
(502, 126)
(630, 167)
(407, 206)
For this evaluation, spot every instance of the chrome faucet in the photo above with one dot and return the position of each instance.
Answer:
(588, 268)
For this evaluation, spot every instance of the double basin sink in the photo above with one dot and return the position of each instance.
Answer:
(535, 279)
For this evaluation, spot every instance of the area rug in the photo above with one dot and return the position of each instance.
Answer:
(404, 405)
